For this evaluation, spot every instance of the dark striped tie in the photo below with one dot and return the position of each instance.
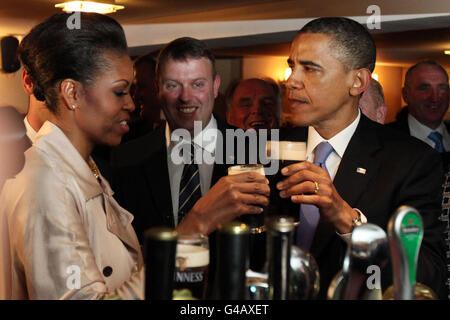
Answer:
(190, 190)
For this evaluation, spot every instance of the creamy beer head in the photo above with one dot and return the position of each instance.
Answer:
(259, 168)
(286, 150)
(191, 256)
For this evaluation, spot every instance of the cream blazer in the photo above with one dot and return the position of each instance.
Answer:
(63, 236)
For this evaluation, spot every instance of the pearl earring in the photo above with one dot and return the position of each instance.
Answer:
(74, 107)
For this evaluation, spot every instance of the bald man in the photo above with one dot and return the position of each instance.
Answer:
(372, 102)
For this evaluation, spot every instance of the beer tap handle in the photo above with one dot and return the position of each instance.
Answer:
(280, 231)
(405, 230)
(159, 255)
(368, 249)
(232, 261)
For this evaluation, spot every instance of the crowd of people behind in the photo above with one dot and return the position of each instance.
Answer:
(96, 117)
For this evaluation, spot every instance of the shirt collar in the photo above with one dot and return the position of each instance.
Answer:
(54, 143)
(31, 133)
(205, 139)
(339, 142)
(422, 130)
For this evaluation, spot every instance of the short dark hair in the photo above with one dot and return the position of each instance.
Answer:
(352, 41)
(182, 49)
(423, 63)
(51, 52)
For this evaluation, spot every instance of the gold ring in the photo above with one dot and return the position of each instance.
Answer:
(316, 188)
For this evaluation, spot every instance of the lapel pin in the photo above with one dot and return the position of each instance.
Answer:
(361, 170)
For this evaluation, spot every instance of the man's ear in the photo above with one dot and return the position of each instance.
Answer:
(70, 91)
(26, 82)
(381, 113)
(216, 85)
(405, 94)
(361, 81)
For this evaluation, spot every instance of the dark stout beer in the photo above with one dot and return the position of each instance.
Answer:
(192, 263)
(287, 153)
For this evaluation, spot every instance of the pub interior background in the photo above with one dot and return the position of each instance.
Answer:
(251, 37)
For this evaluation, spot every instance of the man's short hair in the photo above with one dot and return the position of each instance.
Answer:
(351, 41)
(185, 48)
(423, 63)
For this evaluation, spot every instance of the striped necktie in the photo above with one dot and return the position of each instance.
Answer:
(436, 137)
(190, 190)
(309, 214)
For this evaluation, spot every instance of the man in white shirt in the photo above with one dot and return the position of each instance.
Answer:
(426, 91)
(37, 112)
(362, 171)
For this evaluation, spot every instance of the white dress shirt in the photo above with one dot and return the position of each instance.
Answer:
(339, 143)
(421, 132)
(204, 144)
(63, 235)
(31, 133)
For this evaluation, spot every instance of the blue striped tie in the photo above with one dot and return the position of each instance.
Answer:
(309, 214)
(190, 190)
(436, 137)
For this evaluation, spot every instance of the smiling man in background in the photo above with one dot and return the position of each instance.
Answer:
(426, 91)
(254, 103)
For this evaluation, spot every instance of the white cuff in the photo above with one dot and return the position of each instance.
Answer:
(347, 237)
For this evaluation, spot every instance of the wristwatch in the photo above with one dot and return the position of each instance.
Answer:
(357, 222)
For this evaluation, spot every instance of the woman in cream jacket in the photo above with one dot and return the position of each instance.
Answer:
(63, 236)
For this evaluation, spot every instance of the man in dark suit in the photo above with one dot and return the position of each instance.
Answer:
(426, 91)
(149, 182)
(368, 170)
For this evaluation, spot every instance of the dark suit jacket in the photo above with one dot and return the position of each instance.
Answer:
(141, 179)
(399, 171)
(401, 124)
(142, 185)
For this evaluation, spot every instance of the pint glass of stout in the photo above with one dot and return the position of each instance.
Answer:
(254, 221)
(191, 267)
(287, 153)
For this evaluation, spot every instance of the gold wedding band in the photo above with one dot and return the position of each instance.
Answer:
(316, 188)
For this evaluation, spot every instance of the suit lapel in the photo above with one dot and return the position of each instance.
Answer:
(358, 166)
(157, 175)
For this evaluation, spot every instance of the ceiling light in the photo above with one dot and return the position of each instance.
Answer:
(88, 6)
(447, 51)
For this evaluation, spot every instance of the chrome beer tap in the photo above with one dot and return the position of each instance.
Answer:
(367, 249)
(405, 232)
